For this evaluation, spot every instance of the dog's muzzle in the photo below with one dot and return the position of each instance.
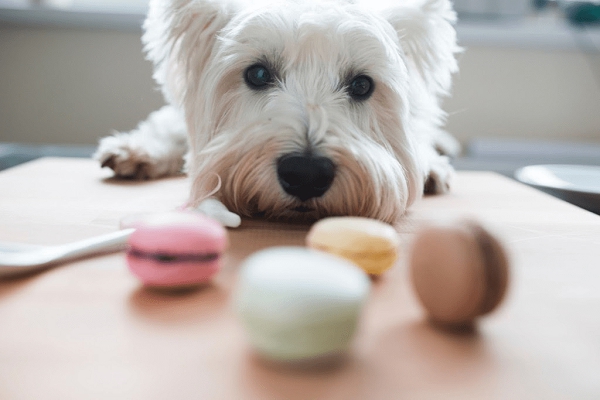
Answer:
(304, 175)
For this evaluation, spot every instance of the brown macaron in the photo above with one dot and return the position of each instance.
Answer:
(459, 272)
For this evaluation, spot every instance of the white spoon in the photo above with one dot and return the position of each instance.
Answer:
(17, 259)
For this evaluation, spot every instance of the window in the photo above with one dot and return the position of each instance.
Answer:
(81, 5)
(126, 15)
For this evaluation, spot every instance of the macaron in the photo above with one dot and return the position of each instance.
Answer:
(369, 243)
(176, 249)
(459, 272)
(300, 305)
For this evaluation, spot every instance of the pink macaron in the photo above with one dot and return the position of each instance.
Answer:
(176, 249)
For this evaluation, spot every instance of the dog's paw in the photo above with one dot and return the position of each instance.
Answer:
(441, 176)
(131, 160)
(215, 209)
(446, 145)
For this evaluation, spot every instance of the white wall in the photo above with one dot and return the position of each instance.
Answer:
(68, 85)
(502, 92)
(71, 85)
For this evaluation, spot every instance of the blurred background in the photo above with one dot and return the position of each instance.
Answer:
(528, 91)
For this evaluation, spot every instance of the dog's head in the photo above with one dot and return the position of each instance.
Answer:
(304, 109)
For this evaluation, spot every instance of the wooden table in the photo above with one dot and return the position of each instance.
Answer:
(88, 330)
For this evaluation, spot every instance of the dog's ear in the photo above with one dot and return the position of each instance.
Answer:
(179, 36)
(428, 38)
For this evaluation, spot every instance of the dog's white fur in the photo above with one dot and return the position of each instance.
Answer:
(385, 148)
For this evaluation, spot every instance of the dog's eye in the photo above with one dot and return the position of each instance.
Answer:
(258, 77)
(361, 87)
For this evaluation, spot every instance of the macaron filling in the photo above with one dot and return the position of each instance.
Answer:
(374, 262)
(376, 256)
(495, 271)
(166, 258)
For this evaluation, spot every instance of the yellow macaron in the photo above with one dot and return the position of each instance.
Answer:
(369, 243)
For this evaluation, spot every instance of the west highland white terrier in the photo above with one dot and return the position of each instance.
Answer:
(297, 109)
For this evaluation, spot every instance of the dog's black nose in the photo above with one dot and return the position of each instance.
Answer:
(305, 176)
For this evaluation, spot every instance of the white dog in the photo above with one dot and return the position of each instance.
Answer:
(297, 109)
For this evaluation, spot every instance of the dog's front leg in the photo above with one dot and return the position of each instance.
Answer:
(440, 172)
(217, 210)
(156, 148)
(440, 176)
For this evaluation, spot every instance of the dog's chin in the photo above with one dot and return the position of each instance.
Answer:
(253, 201)
(286, 210)
(300, 212)
(296, 211)
(303, 213)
